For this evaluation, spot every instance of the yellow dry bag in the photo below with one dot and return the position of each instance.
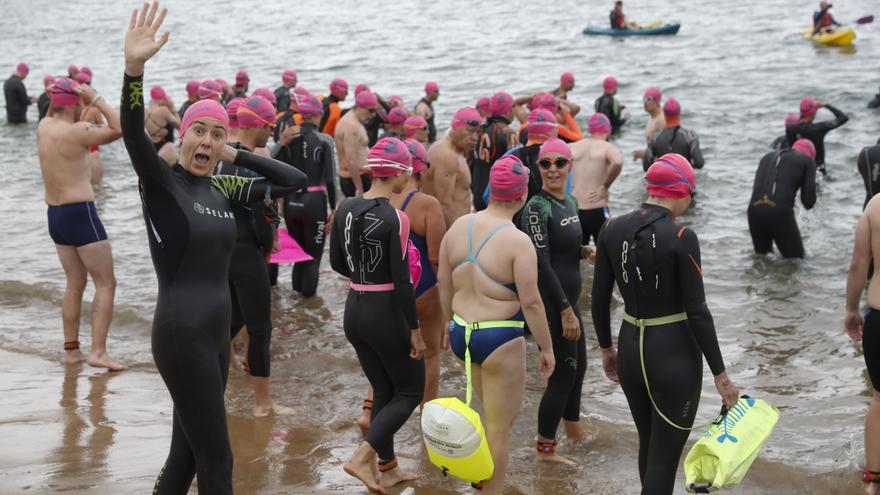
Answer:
(722, 457)
(454, 434)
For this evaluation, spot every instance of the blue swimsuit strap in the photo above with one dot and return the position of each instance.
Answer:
(472, 256)
(408, 198)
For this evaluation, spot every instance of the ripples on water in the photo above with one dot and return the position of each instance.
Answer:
(779, 322)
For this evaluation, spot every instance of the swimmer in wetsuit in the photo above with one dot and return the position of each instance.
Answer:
(368, 244)
(306, 211)
(332, 110)
(427, 228)
(869, 168)
(656, 265)
(674, 139)
(282, 93)
(551, 221)
(866, 249)
(609, 105)
(489, 283)
(425, 109)
(807, 128)
(782, 142)
(771, 210)
(496, 139)
(191, 231)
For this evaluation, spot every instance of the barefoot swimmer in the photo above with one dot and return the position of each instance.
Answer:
(191, 232)
(64, 141)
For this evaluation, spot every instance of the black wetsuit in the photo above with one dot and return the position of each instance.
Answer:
(780, 143)
(368, 245)
(869, 168)
(432, 128)
(815, 132)
(191, 232)
(374, 125)
(282, 97)
(555, 230)
(610, 106)
(674, 140)
(184, 107)
(656, 265)
(305, 211)
(248, 272)
(771, 210)
(43, 104)
(17, 100)
(875, 102)
(495, 140)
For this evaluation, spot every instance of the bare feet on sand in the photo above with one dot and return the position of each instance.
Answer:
(396, 476)
(575, 433)
(261, 411)
(102, 360)
(554, 457)
(73, 357)
(361, 467)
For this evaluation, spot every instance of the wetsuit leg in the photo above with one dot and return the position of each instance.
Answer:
(788, 235)
(479, 182)
(195, 369)
(347, 185)
(871, 346)
(377, 330)
(674, 366)
(761, 239)
(252, 296)
(591, 223)
(308, 213)
(273, 274)
(768, 224)
(562, 395)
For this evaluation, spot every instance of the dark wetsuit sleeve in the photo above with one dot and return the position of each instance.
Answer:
(337, 253)
(278, 173)
(808, 187)
(603, 285)
(649, 154)
(149, 168)
(329, 167)
(404, 292)
(840, 118)
(535, 223)
(696, 153)
(694, 298)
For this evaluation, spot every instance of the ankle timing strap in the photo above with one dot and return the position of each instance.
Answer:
(71, 345)
(368, 405)
(871, 477)
(387, 465)
(547, 447)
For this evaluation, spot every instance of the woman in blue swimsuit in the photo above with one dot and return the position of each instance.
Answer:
(489, 285)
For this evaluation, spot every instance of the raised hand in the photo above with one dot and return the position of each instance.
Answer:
(140, 39)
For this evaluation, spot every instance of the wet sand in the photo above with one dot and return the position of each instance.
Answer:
(75, 429)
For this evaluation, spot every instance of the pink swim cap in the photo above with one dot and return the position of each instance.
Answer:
(418, 154)
(541, 122)
(83, 77)
(508, 179)
(467, 116)
(72, 70)
(209, 89)
(397, 115)
(484, 103)
(338, 86)
(546, 101)
(808, 106)
(48, 81)
(671, 176)
(255, 112)
(395, 100)
(431, 86)
(567, 77)
(654, 93)
(222, 82)
(242, 78)
(609, 83)
(158, 93)
(306, 103)
(806, 147)
(672, 108)
(414, 124)
(389, 157)
(366, 100)
(792, 118)
(501, 104)
(23, 68)
(267, 94)
(360, 88)
(192, 88)
(288, 75)
(232, 111)
(201, 110)
(554, 145)
(599, 124)
(62, 93)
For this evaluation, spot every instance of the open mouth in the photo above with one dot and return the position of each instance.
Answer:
(202, 159)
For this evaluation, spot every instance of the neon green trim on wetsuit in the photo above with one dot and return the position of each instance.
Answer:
(468, 328)
(656, 322)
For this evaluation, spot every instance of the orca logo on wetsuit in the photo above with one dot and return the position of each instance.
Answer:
(566, 221)
(348, 258)
(373, 246)
(623, 262)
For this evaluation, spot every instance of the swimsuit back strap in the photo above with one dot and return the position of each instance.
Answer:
(407, 200)
(643, 323)
(488, 237)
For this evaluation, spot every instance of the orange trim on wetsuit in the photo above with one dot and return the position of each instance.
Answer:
(570, 130)
(335, 113)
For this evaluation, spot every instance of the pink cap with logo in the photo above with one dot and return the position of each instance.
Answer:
(267, 94)
(484, 103)
(288, 75)
(809, 106)
(242, 78)
(501, 104)
(671, 176)
(418, 154)
(158, 93)
(508, 179)
(232, 111)
(306, 103)
(204, 109)
(255, 112)
(397, 115)
(63, 93)
(209, 89)
(389, 157)
(672, 108)
(654, 93)
(806, 147)
(554, 145)
(431, 86)
(792, 118)
(541, 122)
(467, 116)
(414, 124)
(23, 68)
(338, 86)
(599, 124)
(609, 83)
(366, 100)
(192, 88)
(567, 78)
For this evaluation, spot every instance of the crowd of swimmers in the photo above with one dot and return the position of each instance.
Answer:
(500, 217)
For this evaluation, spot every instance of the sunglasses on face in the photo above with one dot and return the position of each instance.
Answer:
(560, 163)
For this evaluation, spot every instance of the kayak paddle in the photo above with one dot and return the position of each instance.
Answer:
(865, 20)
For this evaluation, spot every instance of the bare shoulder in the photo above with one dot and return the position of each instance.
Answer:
(872, 209)
(579, 148)
(427, 201)
(441, 153)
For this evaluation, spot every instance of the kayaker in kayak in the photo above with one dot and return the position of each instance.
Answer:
(618, 20)
(823, 21)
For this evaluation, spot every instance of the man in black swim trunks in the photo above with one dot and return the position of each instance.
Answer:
(771, 209)
(815, 131)
(63, 141)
